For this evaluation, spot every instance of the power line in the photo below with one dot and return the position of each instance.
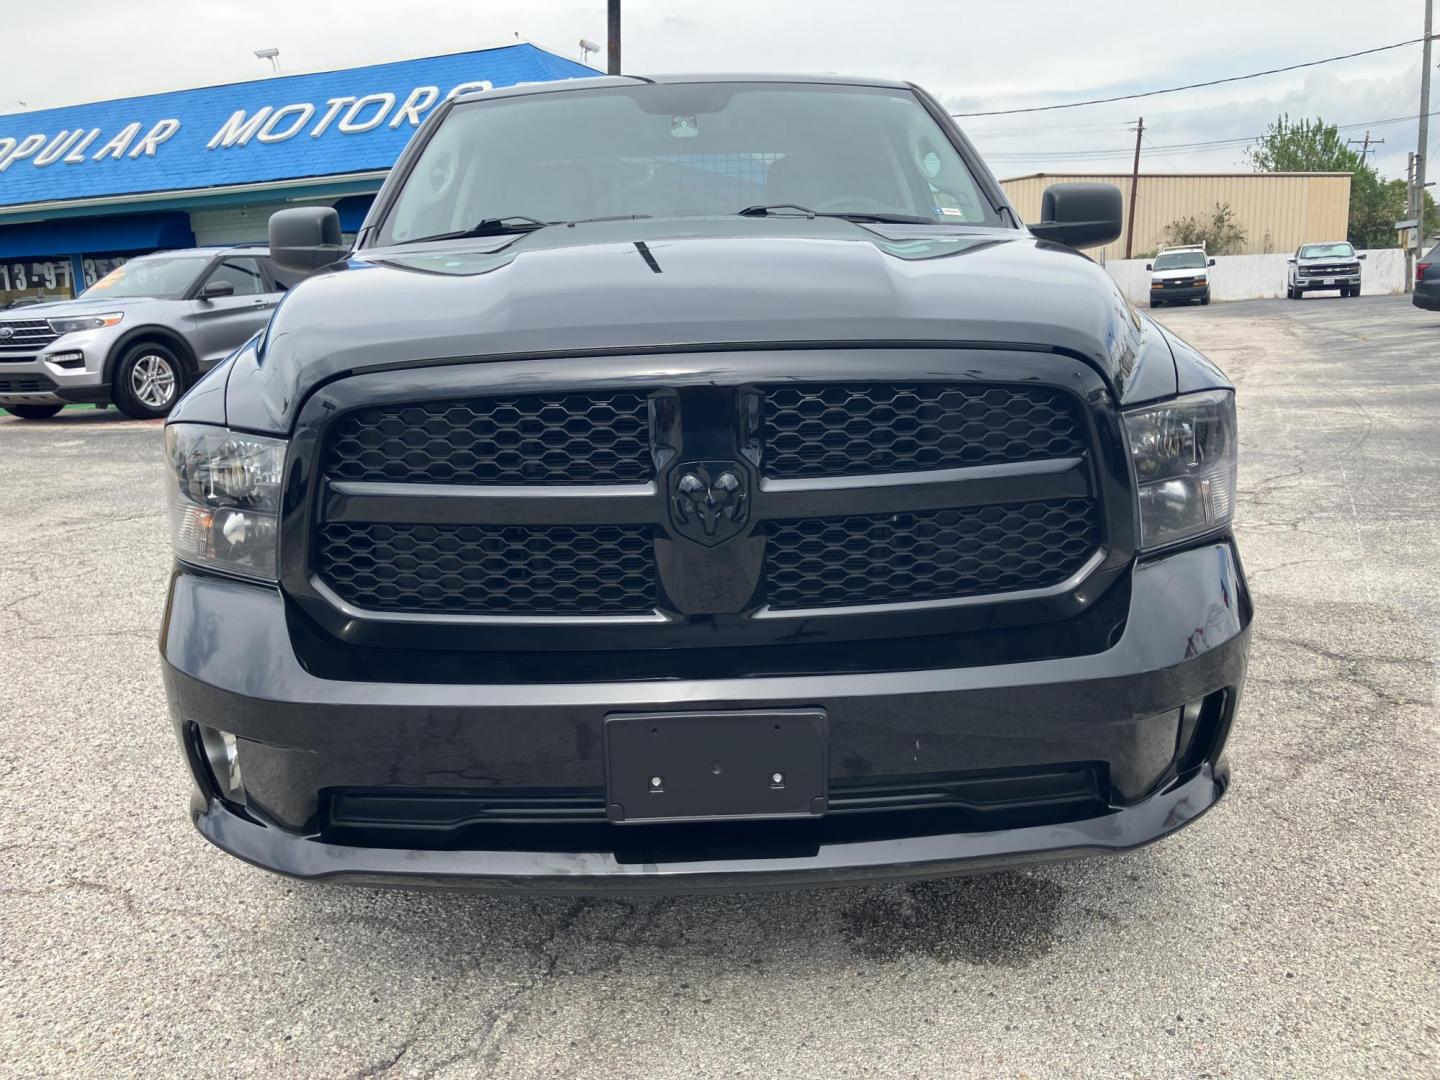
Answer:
(1195, 86)
(1183, 148)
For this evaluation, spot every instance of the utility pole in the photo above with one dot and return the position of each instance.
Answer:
(1420, 147)
(1410, 216)
(613, 53)
(1365, 145)
(1139, 130)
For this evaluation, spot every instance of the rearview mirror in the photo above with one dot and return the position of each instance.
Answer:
(213, 289)
(1080, 215)
(306, 238)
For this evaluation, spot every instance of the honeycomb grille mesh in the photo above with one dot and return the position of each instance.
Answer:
(484, 570)
(932, 555)
(844, 429)
(569, 438)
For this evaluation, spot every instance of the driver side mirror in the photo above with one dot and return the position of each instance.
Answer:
(1291, 260)
(306, 238)
(1361, 255)
(1080, 215)
(212, 289)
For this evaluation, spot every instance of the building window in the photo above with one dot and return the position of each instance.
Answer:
(47, 278)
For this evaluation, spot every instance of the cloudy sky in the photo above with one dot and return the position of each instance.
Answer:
(975, 54)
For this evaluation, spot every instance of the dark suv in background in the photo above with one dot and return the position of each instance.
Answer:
(682, 484)
(140, 335)
(1427, 280)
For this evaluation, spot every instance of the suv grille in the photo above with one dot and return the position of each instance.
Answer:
(577, 438)
(828, 562)
(482, 570)
(847, 429)
(27, 335)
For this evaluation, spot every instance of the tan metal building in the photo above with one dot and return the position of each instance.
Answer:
(1278, 211)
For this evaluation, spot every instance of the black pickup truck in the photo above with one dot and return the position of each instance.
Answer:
(701, 483)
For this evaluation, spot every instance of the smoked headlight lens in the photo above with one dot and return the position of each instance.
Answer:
(224, 498)
(1184, 451)
(85, 322)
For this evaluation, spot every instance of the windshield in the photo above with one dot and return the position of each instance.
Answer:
(685, 150)
(1326, 251)
(1180, 260)
(165, 277)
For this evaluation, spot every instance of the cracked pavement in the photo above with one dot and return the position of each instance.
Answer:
(1292, 932)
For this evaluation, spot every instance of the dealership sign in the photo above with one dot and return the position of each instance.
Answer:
(283, 128)
(350, 114)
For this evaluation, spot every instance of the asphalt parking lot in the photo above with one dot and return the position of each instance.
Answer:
(1294, 931)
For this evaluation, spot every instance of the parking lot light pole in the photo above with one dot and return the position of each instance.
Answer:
(613, 39)
(1422, 139)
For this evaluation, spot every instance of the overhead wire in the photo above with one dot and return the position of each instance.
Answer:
(1192, 86)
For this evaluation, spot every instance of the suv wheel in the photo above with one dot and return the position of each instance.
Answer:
(32, 412)
(148, 381)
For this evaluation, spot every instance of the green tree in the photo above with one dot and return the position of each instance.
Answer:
(1315, 146)
(1219, 232)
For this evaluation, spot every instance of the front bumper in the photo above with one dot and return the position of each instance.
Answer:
(1327, 281)
(1180, 292)
(230, 663)
(65, 372)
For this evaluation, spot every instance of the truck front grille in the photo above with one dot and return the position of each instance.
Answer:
(843, 496)
(480, 570)
(941, 554)
(26, 335)
(854, 428)
(578, 438)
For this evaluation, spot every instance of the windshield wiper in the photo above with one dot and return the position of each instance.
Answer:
(881, 217)
(496, 226)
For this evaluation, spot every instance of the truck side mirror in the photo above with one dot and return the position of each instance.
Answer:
(1211, 262)
(305, 238)
(1291, 260)
(1080, 215)
(1361, 255)
(1148, 266)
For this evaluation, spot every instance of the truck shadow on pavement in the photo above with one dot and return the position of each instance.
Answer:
(1005, 919)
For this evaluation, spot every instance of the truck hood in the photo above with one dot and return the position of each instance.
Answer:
(647, 285)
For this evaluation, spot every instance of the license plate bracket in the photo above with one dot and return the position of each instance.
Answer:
(716, 766)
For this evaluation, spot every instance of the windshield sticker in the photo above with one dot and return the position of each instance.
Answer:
(949, 211)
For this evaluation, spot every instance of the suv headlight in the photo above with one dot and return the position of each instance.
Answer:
(75, 324)
(1184, 451)
(225, 498)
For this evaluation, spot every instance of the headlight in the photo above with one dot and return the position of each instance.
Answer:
(84, 322)
(1184, 452)
(224, 498)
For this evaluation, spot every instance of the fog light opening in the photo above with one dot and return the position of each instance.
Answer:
(222, 755)
(67, 360)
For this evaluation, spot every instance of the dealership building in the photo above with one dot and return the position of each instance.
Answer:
(85, 187)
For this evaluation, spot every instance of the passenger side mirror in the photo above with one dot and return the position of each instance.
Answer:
(212, 289)
(1148, 266)
(1080, 215)
(306, 238)
(1211, 262)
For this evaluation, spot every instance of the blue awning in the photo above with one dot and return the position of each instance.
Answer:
(352, 210)
(97, 235)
